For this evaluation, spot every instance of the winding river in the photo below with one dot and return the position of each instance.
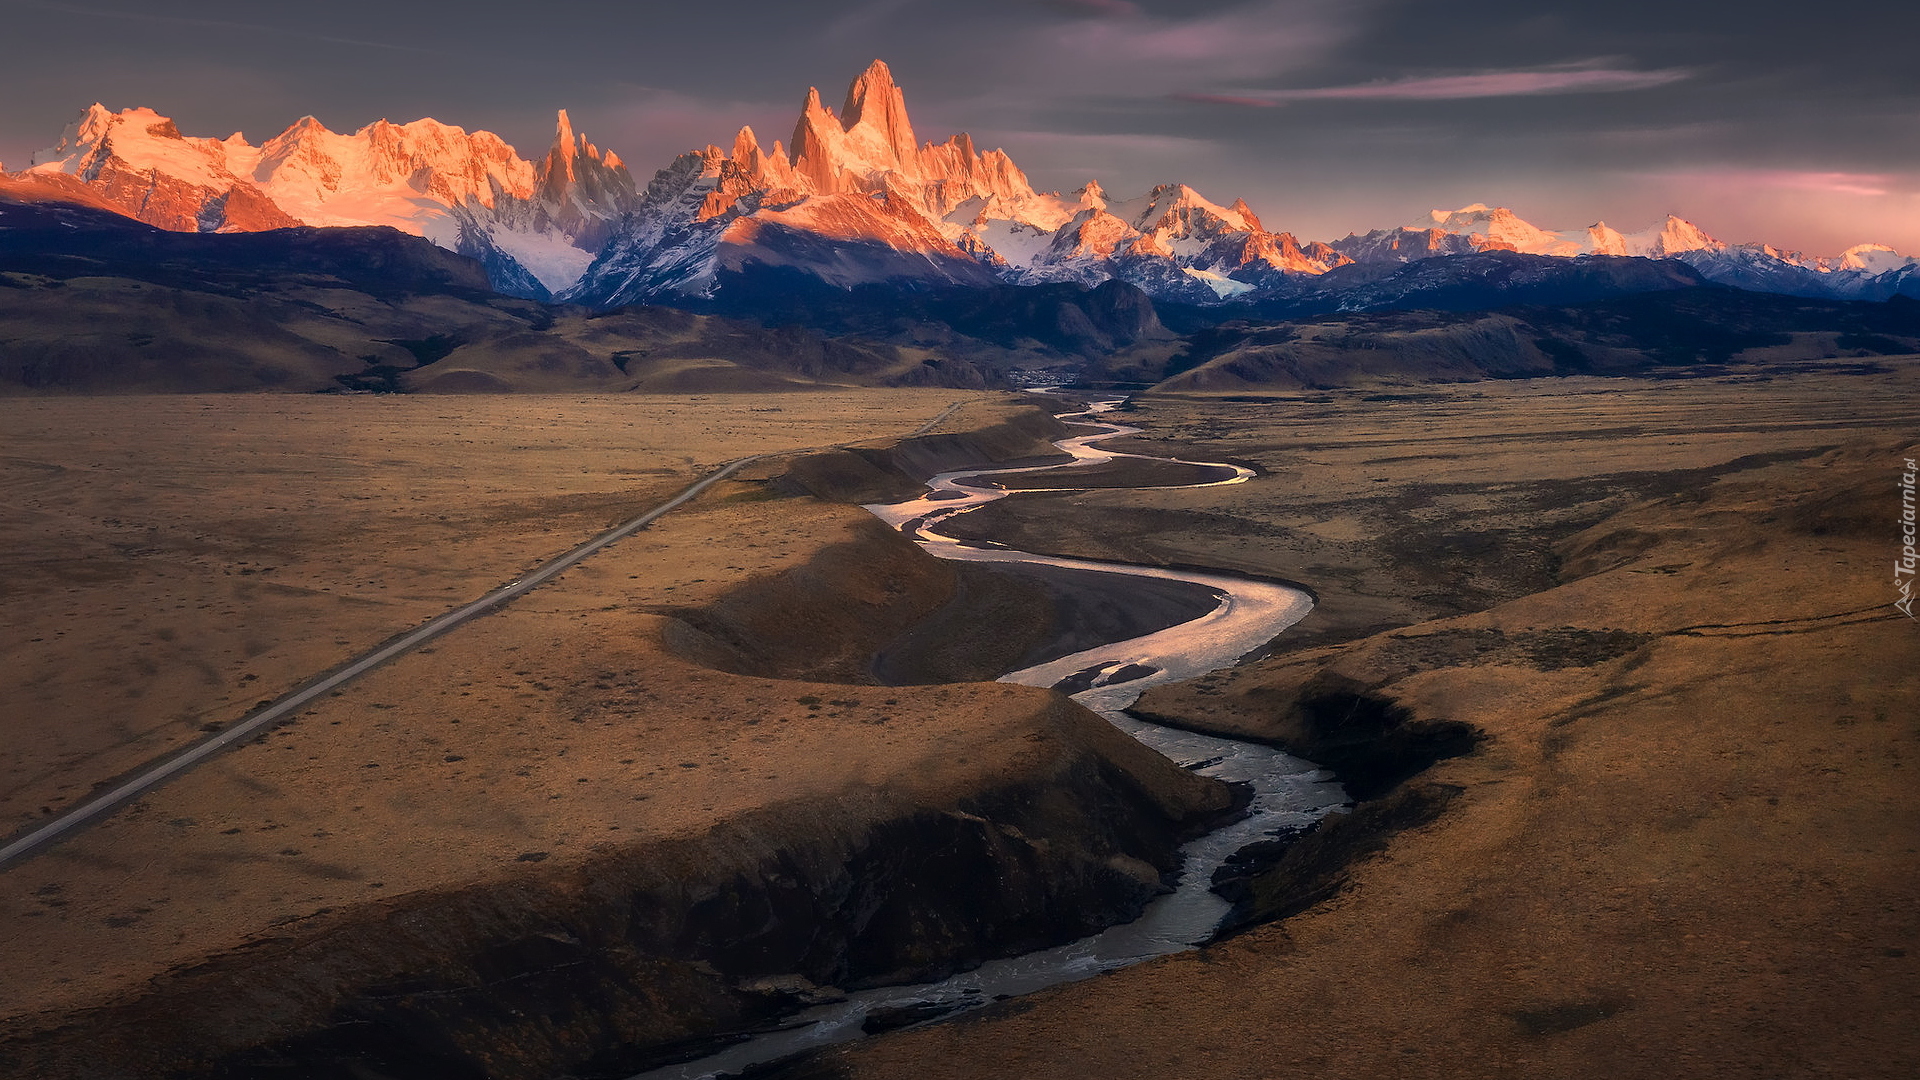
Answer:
(1287, 792)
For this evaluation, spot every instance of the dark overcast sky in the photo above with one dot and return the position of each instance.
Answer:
(1794, 123)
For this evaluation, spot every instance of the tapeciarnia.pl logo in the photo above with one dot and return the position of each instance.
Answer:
(1903, 567)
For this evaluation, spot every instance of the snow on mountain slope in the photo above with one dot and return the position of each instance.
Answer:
(92, 142)
(1874, 259)
(851, 197)
(1477, 227)
(939, 202)
(848, 186)
(470, 192)
(1499, 228)
(1868, 271)
(409, 176)
(1672, 237)
(138, 160)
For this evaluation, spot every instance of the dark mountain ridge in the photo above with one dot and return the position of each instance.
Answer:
(91, 301)
(1697, 330)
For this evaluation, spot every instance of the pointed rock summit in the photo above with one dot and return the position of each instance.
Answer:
(1246, 215)
(467, 191)
(852, 197)
(578, 191)
(862, 176)
(875, 117)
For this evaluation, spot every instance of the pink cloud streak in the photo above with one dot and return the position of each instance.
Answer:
(1582, 80)
(1838, 183)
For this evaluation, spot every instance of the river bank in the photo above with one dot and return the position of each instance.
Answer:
(1685, 842)
(1284, 796)
(598, 823)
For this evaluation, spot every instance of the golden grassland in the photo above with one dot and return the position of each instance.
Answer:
(174, 560)
(1688, 841)
(1684, 846)
(532, 774)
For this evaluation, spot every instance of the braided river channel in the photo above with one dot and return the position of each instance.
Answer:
(1288, 793)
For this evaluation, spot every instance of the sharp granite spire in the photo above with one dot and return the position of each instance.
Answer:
(853, 197)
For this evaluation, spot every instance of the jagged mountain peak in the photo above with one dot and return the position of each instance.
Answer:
(870, 138)
(97, 123)
(468, 191)
(1676, 235)
(711, 213)
(1673, 236)
(567, 146)
(877, 78)
(854, 195)
(1247, 215)
(1177, 206)
(875, 116)
(811, 105)
(564, 158)
(1873, 258)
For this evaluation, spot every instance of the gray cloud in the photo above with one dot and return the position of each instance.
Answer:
(281, 31)
(1567, 111)
(1097, 9)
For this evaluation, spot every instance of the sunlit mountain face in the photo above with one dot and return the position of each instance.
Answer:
(850, 198)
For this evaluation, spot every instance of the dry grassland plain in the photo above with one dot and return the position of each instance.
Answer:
(1688, 840)
(178, 559)
(1685, 846)
(174, 560)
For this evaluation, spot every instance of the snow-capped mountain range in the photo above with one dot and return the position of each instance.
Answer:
(534, 225)
(850, 198)
(1866, 271)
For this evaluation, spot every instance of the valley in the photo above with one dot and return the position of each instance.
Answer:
(1613, 671)
(1466, 648)
(458, 814)
(1546, 600)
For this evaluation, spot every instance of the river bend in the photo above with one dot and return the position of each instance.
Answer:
(1287, 792)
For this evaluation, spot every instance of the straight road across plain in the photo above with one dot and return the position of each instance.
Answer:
(159, 771)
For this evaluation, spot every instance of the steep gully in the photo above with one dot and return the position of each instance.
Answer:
(1287, 793)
